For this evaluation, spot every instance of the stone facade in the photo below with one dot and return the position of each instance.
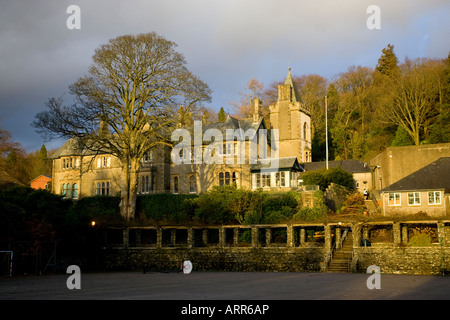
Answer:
(77, 173)
(294, 247)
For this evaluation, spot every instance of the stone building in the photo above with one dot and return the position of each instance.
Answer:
(253, 158)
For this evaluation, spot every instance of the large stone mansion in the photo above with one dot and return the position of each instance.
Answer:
(77, 174)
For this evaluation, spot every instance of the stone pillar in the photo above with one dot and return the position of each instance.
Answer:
(205, 236)
(235, 236)
(221, 237)
(338, 238)
(302, 239)
(396, 229)
(159, 237)
(290, 236)
(190, 237)
(327, 230)
(173, 237)
(268, 236)
(405, 234)
(441, 233)
(356, 231)
(126, 237)
(255, 240)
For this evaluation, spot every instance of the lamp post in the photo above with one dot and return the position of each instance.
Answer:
(326, 131)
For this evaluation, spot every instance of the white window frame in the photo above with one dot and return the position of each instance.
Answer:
(434, 202)
(397, 201)
(414, 196)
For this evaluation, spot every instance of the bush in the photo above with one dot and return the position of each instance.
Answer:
(169, 208)
(323, 178)
(420, 240)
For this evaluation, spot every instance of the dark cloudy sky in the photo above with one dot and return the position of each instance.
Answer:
(225, 42)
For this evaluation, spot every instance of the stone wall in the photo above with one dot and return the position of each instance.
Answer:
(284, 247)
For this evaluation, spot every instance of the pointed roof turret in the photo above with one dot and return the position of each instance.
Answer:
(289, 81)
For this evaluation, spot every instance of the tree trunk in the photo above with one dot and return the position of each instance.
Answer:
(128, 190)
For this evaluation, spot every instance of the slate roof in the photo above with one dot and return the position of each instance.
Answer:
(434, 176)
(288, 163)
(71, 148)
(351, 165)
(236, 124)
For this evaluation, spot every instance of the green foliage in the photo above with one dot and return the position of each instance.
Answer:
(387, 64)
(402, 138)
(221, 115)
(171, 208)
(323, 178)
(309, 214)
(420, 240)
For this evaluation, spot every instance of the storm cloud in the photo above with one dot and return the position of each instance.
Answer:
(226, 43)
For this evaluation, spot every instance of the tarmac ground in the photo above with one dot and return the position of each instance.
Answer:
(226, 286)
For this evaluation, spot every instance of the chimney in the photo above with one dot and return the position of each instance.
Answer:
(257, 110)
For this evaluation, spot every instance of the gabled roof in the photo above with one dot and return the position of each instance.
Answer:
(434, 176)
(288, 163)
(351, 165)
(42, 175)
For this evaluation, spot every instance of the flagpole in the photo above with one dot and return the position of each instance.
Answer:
(326, 130)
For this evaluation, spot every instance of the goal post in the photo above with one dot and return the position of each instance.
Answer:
(6, 261)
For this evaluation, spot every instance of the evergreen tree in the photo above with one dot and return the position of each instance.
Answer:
(222, 116)
(388, 61)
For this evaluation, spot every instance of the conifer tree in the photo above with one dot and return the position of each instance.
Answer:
(221, 116)
(388, 61)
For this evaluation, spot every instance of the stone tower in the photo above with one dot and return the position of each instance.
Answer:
(293, 120)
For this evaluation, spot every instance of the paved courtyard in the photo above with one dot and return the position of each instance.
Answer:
(224, 286)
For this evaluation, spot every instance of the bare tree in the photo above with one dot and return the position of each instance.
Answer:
(413, 98)
(127, 104)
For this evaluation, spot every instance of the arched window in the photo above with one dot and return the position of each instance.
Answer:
(75, 191)
(63, 190)
(227, 178)
(221, 179)
(99, 188)
(68, 191)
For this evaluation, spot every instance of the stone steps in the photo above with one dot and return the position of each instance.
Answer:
(342, 256)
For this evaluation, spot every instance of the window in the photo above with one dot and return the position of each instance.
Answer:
(258, 180)
(68, 193)
(175, 184)
(265, 180)
(434, 197)
(192, 184)
(147, 157)
(103, 162)
(63, 190)
(227, 178)
(280, 179)
(221, 179)
(69, 163)
(75, 191)
(145, 184)
(103, 188)
(394, 199)
(413, 198)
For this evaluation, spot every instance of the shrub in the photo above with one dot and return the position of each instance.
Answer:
(420, 240)
(170, 208)
(323, 178)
